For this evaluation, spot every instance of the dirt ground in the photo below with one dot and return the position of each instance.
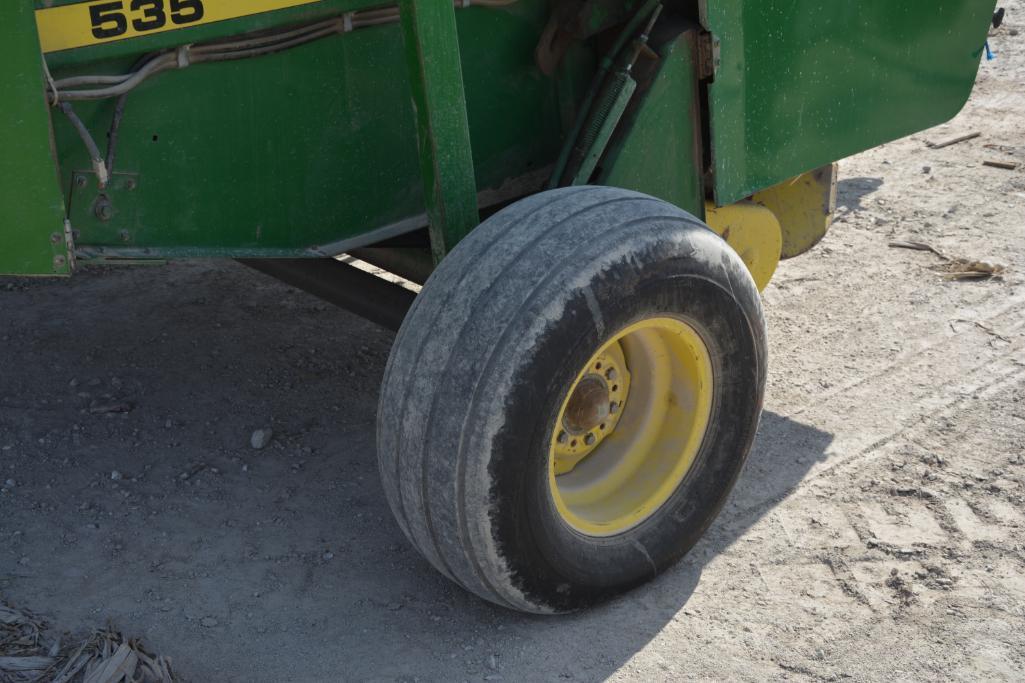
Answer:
(877, 533)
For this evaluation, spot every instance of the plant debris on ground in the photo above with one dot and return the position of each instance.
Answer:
(30, 654)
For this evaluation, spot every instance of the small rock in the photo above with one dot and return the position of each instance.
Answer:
(328, 555)
(115, 475)
(260, 438)
(208, 622)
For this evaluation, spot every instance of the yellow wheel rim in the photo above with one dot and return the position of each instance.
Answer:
(631, 426)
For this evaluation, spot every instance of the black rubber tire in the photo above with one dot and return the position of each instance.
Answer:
(480, 366)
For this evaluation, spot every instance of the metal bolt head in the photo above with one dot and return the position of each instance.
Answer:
(55, 238)
(59, 261)
(104, 211)
(589, 440)
(81, 180)
(611, 374)
(613, 408)
(563, 437)
(130, 184)
(125, 235)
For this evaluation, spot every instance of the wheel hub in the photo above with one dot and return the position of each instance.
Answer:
(593, 410)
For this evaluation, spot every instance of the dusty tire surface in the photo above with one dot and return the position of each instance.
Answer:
(479, 369)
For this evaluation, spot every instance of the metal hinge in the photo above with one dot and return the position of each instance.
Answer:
(708, 56)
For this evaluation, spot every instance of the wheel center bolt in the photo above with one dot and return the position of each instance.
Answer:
(588, 405)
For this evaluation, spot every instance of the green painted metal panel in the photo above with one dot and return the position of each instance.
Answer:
(299, 152)
(443, 134)
(32, 220)
(803, 83)
(660, 152)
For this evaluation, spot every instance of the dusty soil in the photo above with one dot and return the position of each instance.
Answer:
(877, 533)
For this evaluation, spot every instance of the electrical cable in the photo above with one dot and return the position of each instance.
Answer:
(97, 87)
(94, 152)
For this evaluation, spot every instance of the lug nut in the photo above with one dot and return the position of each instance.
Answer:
(562, 438)
(611, 374)
(589, 440)
(613, 408)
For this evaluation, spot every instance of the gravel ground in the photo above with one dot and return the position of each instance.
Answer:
(878, 532)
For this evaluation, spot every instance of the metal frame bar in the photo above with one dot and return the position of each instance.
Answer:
(366, 295)
(35, 238)
(443, 131)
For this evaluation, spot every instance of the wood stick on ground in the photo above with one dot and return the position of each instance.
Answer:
(1006, 165)
(954, 141)
(918, 246)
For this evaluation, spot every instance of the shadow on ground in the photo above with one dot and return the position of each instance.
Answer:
(282, 563)
(851, 191)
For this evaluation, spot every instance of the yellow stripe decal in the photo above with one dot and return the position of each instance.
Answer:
(104, 21)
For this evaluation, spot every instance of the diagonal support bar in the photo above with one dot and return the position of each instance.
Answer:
(443, 132)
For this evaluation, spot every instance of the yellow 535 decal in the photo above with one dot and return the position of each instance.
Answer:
(102, 21)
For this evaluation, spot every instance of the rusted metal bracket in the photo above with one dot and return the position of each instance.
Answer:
(708, 56)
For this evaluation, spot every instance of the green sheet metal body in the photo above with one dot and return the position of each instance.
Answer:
(32, 240)
(659, 152)
(314, 150)
(303, 152)
(803, 83)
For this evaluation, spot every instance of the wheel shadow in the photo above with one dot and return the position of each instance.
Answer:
(783, 453)
(290, 549)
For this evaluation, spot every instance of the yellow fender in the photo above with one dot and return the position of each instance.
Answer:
(754, 233)
(804, 206)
